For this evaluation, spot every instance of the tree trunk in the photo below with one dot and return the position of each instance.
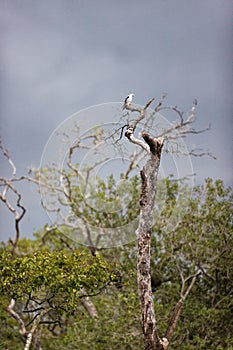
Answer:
(149, 180)
(153, 148)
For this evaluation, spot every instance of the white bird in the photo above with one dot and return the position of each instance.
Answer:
(128, 100)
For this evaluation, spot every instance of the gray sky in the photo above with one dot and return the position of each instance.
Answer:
(58, 57)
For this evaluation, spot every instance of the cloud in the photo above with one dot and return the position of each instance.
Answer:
(59, 57)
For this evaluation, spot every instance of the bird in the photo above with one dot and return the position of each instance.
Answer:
(128, 100)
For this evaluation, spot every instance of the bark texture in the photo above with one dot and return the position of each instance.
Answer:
(149, 173)
(149, 179)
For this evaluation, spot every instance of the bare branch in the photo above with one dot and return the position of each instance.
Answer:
(34, 327)
(121, 129)
(15, 315)
(7, 155)
(199, 153)
(135, 160)
(141, 112)
(33, 310)
(157, 108)
(17, 214)
(174, 319)
(130, 135)
(88, 305)
(178, 308)
(193, 280)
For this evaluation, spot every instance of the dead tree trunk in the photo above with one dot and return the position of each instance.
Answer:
(153, 148)
(149, 179)
(149, 174)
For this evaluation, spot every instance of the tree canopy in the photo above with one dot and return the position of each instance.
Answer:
(54, 274)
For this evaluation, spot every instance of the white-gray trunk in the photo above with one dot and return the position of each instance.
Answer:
(149, 180)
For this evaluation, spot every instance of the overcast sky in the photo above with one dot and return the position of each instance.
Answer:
(60, 56)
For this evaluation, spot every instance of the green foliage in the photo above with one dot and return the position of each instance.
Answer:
(201, 241)
(56, 273)
(109, 203)
(117, 327)
(9, 335)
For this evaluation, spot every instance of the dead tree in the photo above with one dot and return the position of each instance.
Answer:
(153, 147)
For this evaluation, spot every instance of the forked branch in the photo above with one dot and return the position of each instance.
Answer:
(17, 209)
(178, 308)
